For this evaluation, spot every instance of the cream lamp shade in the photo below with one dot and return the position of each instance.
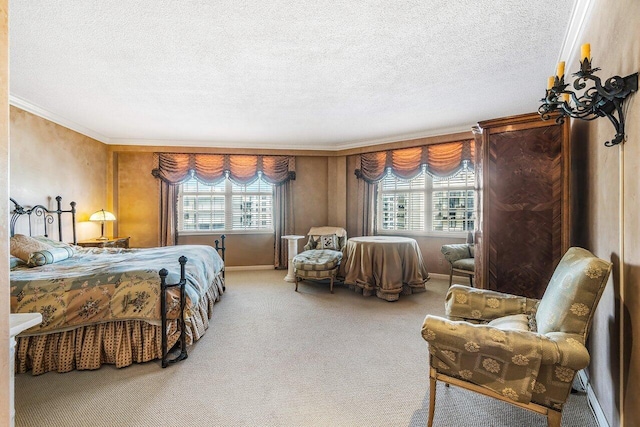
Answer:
(102, 216)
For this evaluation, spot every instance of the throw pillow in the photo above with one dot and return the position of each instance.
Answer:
(49, 256)
(328, 242)
(22, 246)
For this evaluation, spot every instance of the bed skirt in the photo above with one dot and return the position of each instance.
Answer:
(120, 343)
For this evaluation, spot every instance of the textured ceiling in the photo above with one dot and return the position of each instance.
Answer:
(282, 74)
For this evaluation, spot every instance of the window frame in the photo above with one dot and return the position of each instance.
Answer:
(228, 195)
(428, 192)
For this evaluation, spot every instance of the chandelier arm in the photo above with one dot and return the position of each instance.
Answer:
(618, 124)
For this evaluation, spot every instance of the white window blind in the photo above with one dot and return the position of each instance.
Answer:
(225, 206)
(427, 204)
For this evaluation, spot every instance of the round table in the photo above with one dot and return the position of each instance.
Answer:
(386, 265)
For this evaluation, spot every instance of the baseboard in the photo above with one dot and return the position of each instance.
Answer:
(251, 267)
(601, 420)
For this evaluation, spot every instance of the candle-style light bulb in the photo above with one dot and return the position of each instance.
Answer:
(550, 82)
(565, 97)
(585, 52)
(560, 70)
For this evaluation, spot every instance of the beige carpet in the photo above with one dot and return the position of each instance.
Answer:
(273, 357)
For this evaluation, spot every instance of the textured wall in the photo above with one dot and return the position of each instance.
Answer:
(137, 198)
(310, 198)
(48, 160)
(337, 191)
(604, 178)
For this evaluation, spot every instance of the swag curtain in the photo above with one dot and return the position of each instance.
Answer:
(175, 168)
(440, 160)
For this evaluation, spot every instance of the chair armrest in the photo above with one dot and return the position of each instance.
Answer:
(559, 348)
(454, 252)
(471, 338)
(465, 303)
(505, 361)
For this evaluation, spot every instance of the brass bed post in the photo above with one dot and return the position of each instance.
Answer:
(163, 312)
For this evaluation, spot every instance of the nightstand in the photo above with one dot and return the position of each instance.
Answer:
(112, 242)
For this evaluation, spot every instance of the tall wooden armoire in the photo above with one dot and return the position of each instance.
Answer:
(523, 178)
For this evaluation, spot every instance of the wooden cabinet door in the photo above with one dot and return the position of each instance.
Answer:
(525, 206)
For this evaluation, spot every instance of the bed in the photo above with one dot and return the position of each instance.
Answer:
(107, 305)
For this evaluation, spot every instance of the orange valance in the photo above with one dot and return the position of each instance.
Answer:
(441, 160)
(175, 168)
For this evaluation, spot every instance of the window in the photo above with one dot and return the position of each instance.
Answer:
(225, 206)
(427, 204)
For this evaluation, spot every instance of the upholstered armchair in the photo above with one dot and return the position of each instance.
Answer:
(321, 256)
(461, 260)
(519, 350)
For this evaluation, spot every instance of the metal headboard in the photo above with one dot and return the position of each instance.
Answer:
(47, 215)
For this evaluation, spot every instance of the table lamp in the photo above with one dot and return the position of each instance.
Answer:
(102, 216)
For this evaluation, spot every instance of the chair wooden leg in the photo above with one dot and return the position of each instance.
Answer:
(432, 400)
(471, 280)
(331, 285)
(450, 276)
(554, 418)
(297, 280)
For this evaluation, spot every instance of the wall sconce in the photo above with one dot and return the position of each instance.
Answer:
(102, 216)
(597, 100)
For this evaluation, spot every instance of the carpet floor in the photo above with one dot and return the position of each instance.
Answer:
(274, 357)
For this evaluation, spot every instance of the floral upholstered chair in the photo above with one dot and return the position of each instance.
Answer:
(321, 256)
(461, 260)
(520, 350)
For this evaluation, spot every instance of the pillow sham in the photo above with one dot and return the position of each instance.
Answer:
(328, 242)
(49, 256)
(22, 246)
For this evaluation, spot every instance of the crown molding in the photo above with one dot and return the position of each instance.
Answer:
(403, 137)
(32, 108)
(579, 15)
(297, 147)
(141, 142)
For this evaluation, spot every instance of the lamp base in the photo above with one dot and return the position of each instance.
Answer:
(102, 238)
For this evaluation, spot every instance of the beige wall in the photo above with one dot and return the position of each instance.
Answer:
(4, 213)
(604, 178)
(137, 198)
(48, 160)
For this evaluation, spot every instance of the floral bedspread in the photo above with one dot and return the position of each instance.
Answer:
(101, 285)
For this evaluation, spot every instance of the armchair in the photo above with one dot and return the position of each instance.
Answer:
(321, 256)
(520, 350)
(461, 260)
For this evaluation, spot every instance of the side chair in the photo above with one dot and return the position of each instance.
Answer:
(519, 350)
